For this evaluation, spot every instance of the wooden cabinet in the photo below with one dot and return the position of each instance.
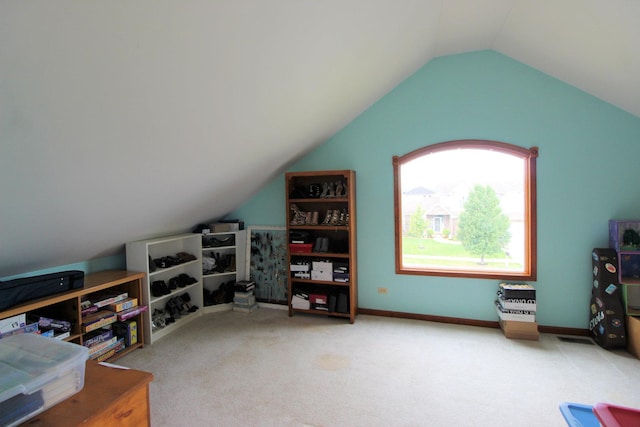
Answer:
(142, 256)
(67, 305)
(110, 397)
(321, 228)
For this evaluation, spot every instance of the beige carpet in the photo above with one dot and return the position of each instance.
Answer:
(267, 369)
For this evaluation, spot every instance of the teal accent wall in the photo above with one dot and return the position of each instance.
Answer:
(114, 262)
(587, 170)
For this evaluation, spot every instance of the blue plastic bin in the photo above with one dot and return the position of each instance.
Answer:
(579, 415)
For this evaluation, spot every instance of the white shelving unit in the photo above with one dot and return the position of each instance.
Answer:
(140, 256)
(222, 246)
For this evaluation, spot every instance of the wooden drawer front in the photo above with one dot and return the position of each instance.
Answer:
(130, 411)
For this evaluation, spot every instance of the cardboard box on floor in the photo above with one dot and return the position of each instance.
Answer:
(520, 330)
(633, 335)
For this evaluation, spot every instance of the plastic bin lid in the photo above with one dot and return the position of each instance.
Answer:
(29, 361)
(579, 415)
(617, 416)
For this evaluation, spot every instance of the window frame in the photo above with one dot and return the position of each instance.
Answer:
(528, 155)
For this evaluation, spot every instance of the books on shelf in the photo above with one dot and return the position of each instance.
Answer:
(98, 336)
(106, 349)
(127, 330)
(13, 322)
(131, 312)
(51, 333)
(61, 335)
(122, 305)
(102, 299)
(55, 324)
(97, 349)
(97, 320)
(89, 310)
(26, 329)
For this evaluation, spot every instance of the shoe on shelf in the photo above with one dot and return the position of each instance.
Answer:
(335, 217)
(325, 190)
(332, 192)
(159, 288)
(324, 245)
(327, 218)
(299, 217)
(185, 257)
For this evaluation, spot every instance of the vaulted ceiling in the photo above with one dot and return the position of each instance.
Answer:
(126, 120)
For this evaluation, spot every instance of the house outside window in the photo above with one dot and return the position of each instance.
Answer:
(466, 208)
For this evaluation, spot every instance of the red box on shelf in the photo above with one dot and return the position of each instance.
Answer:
(300, 248)
(318, 299)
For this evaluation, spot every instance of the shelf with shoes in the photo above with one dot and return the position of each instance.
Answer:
(172, 288)
(321, 230)
(223, 264)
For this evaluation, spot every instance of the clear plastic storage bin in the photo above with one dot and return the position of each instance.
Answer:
(36, 373)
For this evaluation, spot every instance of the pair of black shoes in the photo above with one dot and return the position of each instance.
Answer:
(159, 288)
(181, 281)
(217, 242)
(178, 306)
(170, 261)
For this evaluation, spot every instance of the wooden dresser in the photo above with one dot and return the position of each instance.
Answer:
(110, 397)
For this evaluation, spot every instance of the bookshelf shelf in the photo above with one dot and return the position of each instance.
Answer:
(321, 229)
(66, 305)
(142, 256)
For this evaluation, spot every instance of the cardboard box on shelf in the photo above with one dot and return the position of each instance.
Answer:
(300, 248)
(322, 265)
(322, 275)
(223, 227)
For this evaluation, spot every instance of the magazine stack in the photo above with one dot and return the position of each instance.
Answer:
(244, 298)
(516, 308)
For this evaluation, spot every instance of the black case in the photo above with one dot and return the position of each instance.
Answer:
(606, 317)
(16, 291)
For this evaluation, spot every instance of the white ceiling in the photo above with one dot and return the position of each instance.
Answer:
(123, 120)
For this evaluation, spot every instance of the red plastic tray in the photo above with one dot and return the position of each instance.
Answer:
(616, 416)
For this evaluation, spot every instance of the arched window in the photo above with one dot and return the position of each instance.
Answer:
(466, 208)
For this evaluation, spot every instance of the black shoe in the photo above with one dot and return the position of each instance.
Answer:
(159, 288)
(152, 265)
